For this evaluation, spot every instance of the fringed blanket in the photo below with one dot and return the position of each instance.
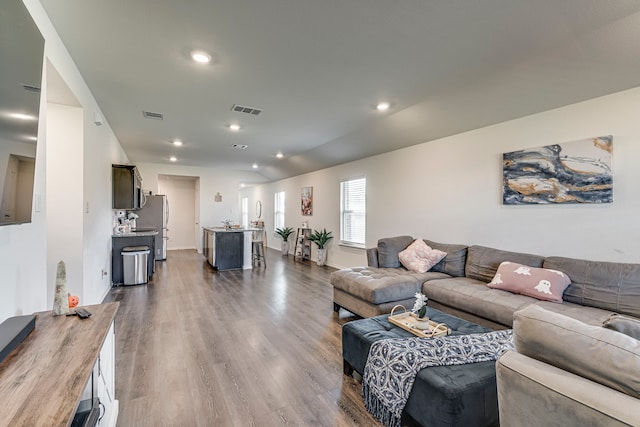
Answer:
(392, 366)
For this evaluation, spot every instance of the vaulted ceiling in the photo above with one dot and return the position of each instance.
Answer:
(317, 69)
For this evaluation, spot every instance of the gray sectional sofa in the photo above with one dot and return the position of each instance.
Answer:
(567, 369)
(457, 285)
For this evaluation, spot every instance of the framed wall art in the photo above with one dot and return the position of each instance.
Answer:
(306, 201)
(571, 172)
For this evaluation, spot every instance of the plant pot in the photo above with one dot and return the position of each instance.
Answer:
(285, 248)
(322, 257)
(422, 323)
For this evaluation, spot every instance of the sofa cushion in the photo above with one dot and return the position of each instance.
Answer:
(482, 262)
(453, 263)
(540, 283)
(623, 324)
(607, 285)
(592, 352)
(420, 257)
(381, 285)
(389, 248)
(472, 296)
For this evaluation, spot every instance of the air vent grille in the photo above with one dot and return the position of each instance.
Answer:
(244, 109)
(152, 115)
(31, 88)
(239, 146)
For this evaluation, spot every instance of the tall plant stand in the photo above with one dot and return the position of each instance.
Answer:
(303, 244)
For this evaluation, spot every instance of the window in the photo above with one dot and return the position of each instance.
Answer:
(244, 207)
(353, 211)
(278, 214)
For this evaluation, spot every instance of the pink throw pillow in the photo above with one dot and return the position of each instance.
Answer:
(419, 257)
(541, 283)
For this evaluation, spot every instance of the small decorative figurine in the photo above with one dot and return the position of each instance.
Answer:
(61, 296)
(73, 301)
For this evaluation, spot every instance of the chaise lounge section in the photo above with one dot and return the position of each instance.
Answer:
(385, 283)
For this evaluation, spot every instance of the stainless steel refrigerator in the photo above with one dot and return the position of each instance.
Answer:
(155, 214)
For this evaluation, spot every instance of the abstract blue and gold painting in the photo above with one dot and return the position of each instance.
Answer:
(571, 172)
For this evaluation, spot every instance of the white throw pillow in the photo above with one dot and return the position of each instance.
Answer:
(420, 257)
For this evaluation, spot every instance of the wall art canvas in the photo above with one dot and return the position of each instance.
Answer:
(306, 201)
(571, 172)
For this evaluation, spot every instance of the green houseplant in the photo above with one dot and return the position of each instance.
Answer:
(321, 238)
(284, 232)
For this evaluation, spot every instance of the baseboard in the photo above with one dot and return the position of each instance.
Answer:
(113, 416)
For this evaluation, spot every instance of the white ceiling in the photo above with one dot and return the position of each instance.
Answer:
(317, 69)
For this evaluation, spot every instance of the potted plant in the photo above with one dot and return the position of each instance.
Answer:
(285, 232)
(321, 238)
(419, 311)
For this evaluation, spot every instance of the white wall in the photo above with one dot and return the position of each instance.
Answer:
(23, 248)
(181, 196)
(450, 190)
(211, 181)
(64, 185)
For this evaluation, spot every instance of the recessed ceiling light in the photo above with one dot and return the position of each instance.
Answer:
(242, 184)
(200, 56)
(255, 166)
(279, 155)
(173, 159)
(383, 106)
(234, 127)
(176, 142)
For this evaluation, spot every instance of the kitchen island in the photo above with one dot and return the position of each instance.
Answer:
(227, 249)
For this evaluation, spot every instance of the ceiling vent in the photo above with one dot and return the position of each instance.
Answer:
(30, 88)
(239, 146)
(244, 109)
(152, 115)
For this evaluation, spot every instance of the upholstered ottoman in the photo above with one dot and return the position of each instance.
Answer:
(463, 395)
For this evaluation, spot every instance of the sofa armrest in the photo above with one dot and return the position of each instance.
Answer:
(532, 393)
(372, 257)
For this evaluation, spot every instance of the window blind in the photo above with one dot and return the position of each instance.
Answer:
(278, 216)
(353, 210)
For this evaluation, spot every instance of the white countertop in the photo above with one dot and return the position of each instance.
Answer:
(136, 234)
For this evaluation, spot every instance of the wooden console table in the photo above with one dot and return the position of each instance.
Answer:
(42, 380)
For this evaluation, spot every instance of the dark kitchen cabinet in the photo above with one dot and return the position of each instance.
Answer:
(127, 187)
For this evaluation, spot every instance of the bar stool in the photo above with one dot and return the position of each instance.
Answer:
(257, 247)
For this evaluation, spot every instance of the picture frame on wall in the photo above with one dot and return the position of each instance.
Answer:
(570, 172)
(306, 201)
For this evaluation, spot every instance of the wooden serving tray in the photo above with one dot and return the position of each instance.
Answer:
(407, 322)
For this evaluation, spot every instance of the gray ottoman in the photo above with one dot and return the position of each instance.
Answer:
(463, 395)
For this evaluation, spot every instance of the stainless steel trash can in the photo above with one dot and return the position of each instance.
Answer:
(134, 264)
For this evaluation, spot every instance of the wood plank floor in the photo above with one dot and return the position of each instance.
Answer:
(260, 347)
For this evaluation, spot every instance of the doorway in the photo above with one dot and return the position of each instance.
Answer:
(18, 189)
(183, 202)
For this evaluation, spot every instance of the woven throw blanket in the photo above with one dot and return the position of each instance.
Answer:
(392, 366)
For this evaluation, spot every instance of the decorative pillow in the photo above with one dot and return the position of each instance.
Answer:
(623, 324)
(419, 257)
(541, 283)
